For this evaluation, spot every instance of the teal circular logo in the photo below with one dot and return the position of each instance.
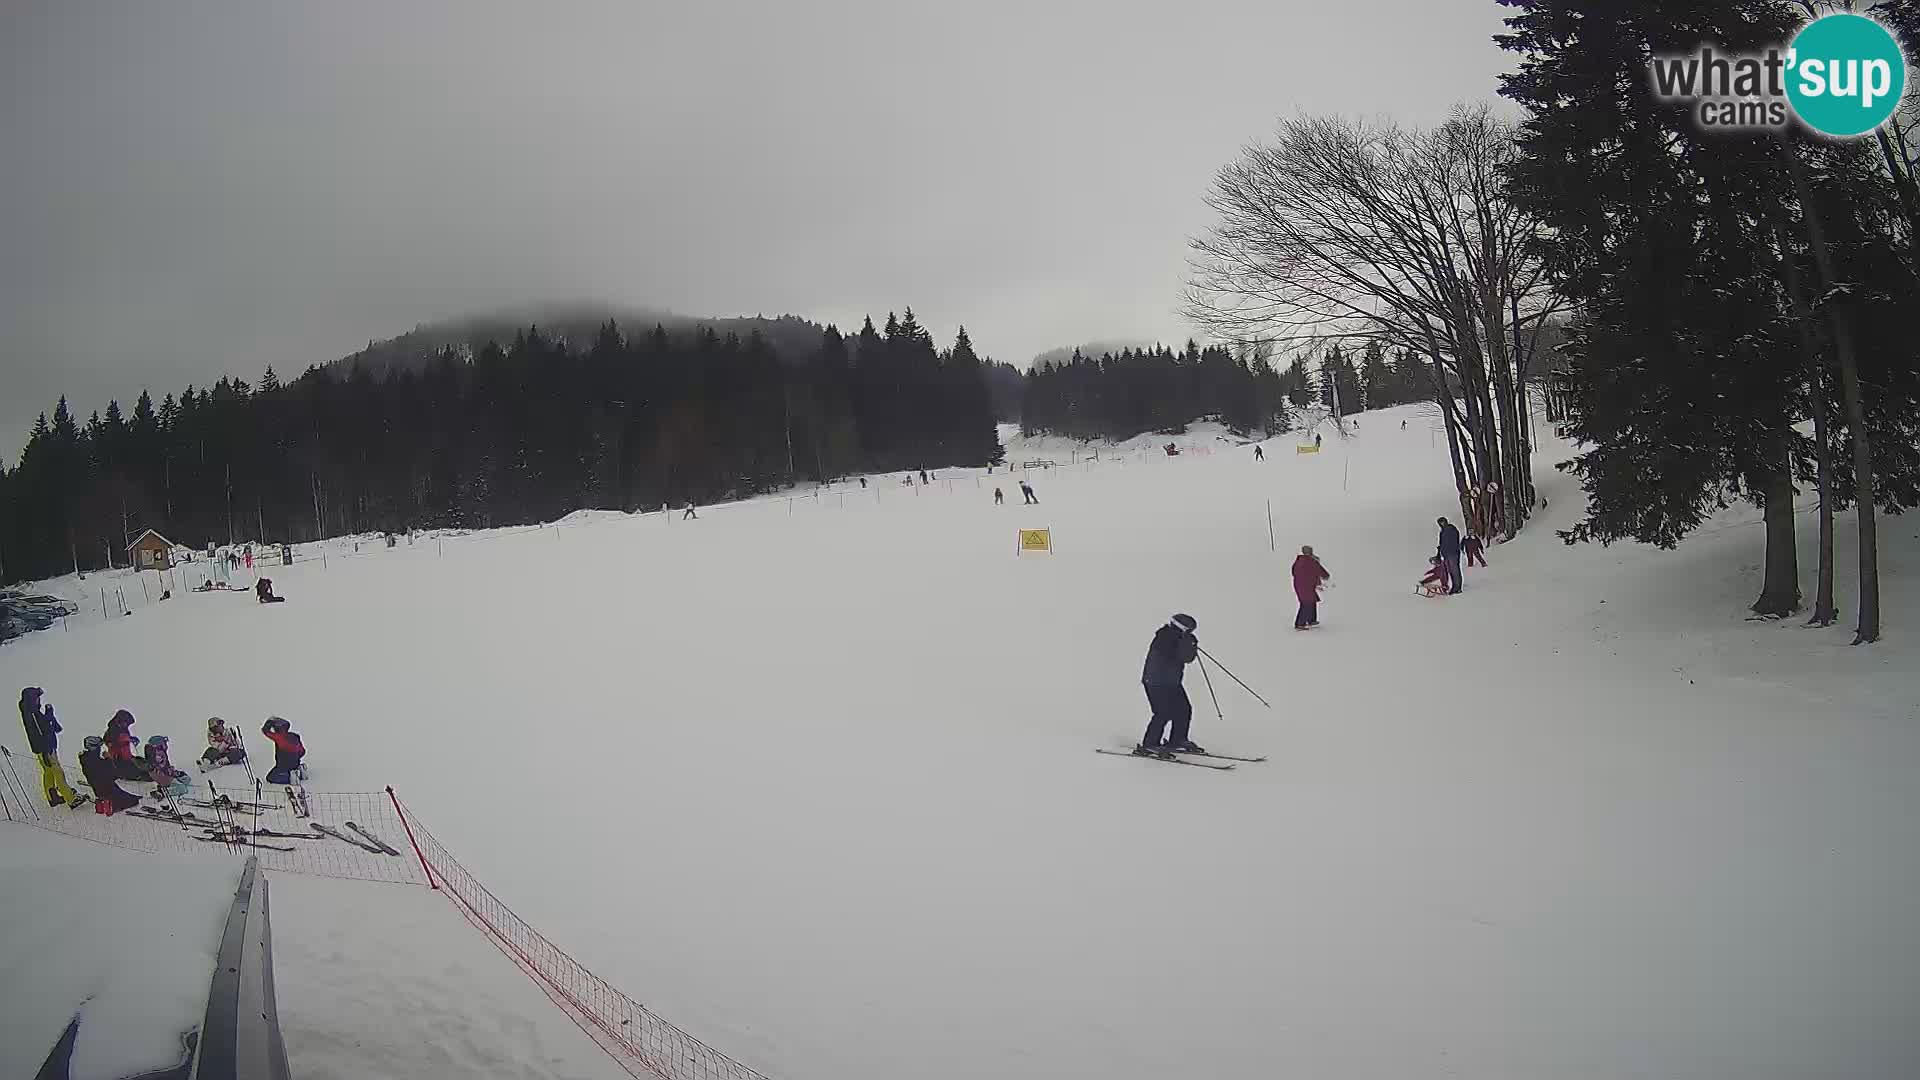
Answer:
(1845, 75)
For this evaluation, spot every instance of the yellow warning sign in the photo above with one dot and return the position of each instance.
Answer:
(1036, 540)
(1309, 448)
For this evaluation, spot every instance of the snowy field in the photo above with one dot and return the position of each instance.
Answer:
(814, 780)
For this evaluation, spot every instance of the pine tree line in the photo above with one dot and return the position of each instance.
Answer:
(1729, 286)
(1158, 389)
(491, 435)
(1375, 383)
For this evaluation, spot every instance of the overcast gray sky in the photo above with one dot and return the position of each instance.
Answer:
(196, 188)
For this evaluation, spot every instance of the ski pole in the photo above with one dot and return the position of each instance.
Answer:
(1236, 678)
(30, 804)
(1210, 693)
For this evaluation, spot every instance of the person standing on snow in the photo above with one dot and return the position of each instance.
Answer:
(43, 739)
(1174, 647)
(1449, 552)
(1308, 573)
(999, 497)
(1258, 453)
(1474, 550)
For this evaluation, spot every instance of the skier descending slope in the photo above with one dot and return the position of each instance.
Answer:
(1174, 647)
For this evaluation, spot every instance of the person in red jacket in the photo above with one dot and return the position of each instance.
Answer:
(1307, 576)
(288, 751)
(120, 743)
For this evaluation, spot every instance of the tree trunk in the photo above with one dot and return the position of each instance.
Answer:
(1823, 611)
(1868, 628)
(1780, 590)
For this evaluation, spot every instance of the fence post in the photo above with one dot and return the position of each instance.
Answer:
(431, 884)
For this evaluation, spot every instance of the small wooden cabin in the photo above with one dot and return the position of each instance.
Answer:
(151, 551)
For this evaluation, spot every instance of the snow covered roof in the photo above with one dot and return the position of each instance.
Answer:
(144, 533)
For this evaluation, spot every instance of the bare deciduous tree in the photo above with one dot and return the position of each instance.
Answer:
(1343, 229)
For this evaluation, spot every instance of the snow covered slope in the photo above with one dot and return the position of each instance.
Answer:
(124, 941)
(373, 980)
(812, 777)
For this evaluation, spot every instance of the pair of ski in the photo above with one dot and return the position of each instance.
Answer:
(1220, 762)
(373, 845)
(224, 803)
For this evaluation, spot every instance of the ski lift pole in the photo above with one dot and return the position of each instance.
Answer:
(1229, 674)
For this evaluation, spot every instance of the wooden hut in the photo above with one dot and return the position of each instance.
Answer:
(151, 551)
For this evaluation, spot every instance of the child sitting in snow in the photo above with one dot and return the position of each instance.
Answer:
(1435, 583)
(223, 746)
(287, 752)
(167, 780)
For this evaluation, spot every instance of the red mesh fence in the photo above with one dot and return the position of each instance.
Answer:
(370, 837)
(640, 1040)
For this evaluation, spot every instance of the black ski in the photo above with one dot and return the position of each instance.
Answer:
(1163, 760)
(240, 842)
(230, 804)
(182, 818)
(345, 839)
(376, 841)
(1222, 757)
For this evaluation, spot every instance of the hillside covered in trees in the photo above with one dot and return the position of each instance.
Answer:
(1122, 394)
(491, 434)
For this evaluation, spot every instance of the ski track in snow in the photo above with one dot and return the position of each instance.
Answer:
(811, 779)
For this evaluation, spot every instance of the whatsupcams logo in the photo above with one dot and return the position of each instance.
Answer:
(1841, 75)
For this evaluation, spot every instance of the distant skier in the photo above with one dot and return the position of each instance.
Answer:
(1258, 453)
(263, 592)
(1026, 489)
(1316, 440)
(923, 477)
(288, 752)
(863, 483)
(109, 796)
(223, 746)
(1308, 573)
(1403, 425)
(1174, 647)
(1449, 552)
(689, 514)
(999, 497)
(1474, 550)
(43, 739)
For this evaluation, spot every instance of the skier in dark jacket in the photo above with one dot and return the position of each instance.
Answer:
(1474, 550)
(1026, 490)
(109, 796)
(1174, 647)
(43, 739)
(288, 751)
(1449, 552)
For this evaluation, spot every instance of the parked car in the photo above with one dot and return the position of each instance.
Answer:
(23, 613)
